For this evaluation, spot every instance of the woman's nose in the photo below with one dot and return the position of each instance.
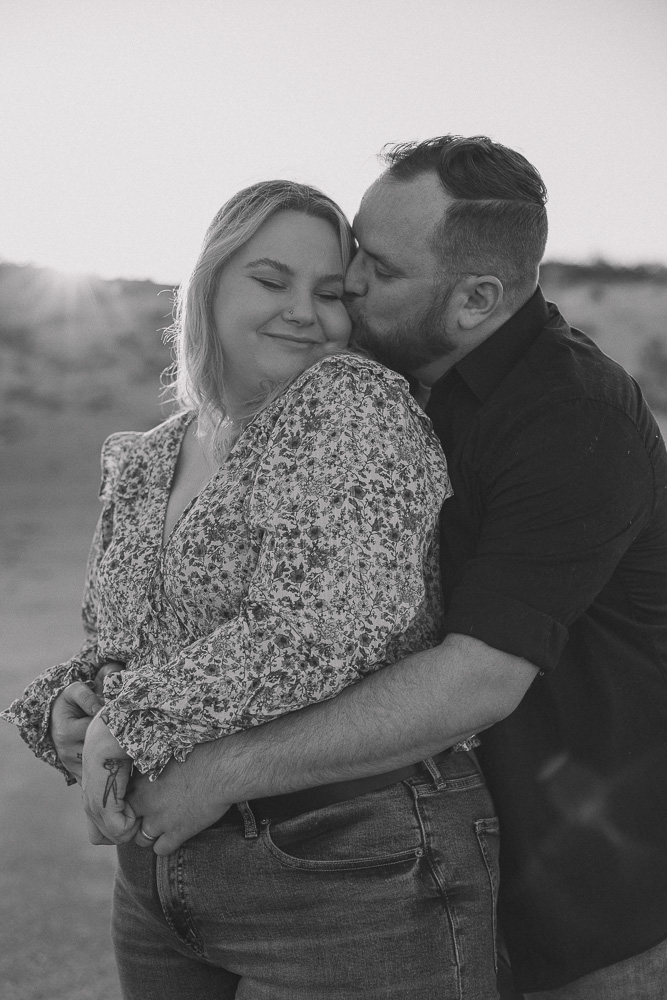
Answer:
(355, 281)
(301, 310)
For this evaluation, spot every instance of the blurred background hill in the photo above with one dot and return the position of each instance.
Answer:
(76, 352)
(81, 357)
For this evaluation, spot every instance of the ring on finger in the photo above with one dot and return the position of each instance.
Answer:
(147, 835)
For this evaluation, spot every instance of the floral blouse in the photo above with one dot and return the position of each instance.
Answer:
(307, 561)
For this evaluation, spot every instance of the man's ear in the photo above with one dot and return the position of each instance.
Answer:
(482, 299)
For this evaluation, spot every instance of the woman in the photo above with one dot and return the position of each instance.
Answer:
(258, 552)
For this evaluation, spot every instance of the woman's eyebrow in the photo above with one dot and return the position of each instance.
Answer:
(278, 265)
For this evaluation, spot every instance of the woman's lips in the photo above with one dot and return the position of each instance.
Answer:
(290, 337)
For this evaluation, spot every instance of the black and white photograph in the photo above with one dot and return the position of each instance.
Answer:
(333, 500)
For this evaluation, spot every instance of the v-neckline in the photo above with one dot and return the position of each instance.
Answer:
(164, 538)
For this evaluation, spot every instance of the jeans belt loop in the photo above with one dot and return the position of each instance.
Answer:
(434, 771)
(249, 821)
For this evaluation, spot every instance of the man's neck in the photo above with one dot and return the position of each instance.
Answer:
(466, 341)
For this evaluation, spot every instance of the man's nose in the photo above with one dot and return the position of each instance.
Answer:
(355, 281)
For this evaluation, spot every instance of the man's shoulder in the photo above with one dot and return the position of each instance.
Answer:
(562, 364)
(558, 393)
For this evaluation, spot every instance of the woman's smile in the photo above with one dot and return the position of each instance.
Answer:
(290, 336)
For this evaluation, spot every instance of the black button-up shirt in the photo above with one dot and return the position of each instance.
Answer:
(554, 548)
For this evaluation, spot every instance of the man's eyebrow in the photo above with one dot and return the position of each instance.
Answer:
(278, 265)
(379, 258)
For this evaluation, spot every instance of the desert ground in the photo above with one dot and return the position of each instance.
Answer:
(55, 887)
(55, 898)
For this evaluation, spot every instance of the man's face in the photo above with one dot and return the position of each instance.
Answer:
(396, 292)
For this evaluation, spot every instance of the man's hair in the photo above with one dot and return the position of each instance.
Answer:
(498, 221)
(199, 365)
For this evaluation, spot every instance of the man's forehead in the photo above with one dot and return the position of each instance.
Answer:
(405, 210)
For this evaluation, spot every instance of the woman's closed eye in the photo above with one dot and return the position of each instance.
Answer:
(275, 286)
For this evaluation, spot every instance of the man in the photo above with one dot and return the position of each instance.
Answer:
(554, 569)
(554, 549)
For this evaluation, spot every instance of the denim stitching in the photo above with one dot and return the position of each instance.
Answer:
(489, 827)
(450, 784)
(353, 864)
(440, 883)
(176, 912)
(433, 770)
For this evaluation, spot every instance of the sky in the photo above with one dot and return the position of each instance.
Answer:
(125, 124)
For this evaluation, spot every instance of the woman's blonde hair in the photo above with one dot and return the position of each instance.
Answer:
(198, 381)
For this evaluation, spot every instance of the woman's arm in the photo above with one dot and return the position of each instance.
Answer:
(60, 689)
(54, 711)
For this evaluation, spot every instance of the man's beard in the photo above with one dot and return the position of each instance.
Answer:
(407, 347)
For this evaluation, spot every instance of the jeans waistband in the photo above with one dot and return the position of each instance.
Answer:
(293, 803)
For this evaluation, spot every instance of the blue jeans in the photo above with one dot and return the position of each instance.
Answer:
(388, 895)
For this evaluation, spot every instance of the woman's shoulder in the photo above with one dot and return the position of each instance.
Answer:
(355, 367)
(355, 383)
(346, 377)
(121, 446)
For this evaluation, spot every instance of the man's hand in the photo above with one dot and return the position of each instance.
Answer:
(106, 772)
(71, 714)
(185, 799)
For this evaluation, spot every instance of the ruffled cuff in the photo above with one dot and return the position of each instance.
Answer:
(150, 739)
(31, 712)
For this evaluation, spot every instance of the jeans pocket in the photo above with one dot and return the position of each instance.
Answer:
(377, 830)
(488, 838)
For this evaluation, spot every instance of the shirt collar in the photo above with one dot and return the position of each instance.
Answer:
(485, 367)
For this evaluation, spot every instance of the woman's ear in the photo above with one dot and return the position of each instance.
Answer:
(482, 300)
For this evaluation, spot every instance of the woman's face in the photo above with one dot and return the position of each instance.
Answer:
(278, 305)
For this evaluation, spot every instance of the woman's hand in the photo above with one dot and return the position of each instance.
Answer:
(106, 772)
(71, 714)
(110, 667)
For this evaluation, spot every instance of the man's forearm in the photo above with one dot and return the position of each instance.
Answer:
(401, 714)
